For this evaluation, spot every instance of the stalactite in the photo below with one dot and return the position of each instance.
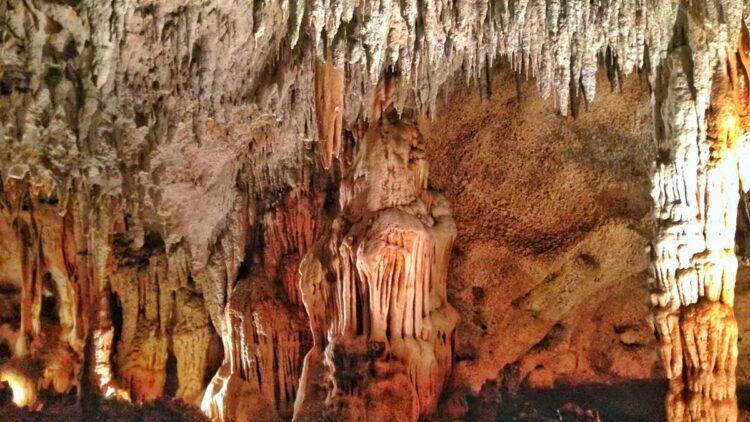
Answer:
(162, 313)
(190, 341)
(142, 349)
(289, 231)
(329, 109)
(92, 232)
(267, 333)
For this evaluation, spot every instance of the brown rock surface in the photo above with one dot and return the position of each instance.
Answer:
(552, 219)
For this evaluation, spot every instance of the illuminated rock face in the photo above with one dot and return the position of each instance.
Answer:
(61, 308)
(267, 332)
(162, 314)
(47, 343)
(375, 287)
(702, 113)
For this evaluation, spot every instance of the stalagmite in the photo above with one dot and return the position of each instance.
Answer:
(267, 332)
(104, 338)
(375, 286)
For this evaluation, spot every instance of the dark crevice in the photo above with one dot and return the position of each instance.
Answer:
(116, 315)
(50, 311)
(172, 383)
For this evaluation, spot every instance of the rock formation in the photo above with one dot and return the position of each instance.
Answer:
(548, 271)
(701, 113)
(375, 287)
(267, 331)
(184, 178)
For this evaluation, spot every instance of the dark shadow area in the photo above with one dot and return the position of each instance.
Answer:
(5, 352)
(115, 313)
(50, 311)
(5, 395)
(632, 401)
(215, 357)
(65, 409)
(743, 397)
(172, 383)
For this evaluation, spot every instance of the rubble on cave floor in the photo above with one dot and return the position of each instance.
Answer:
(635, 401)
(66, 408)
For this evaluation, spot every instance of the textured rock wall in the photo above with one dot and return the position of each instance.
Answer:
(268, 332)
(548, 271)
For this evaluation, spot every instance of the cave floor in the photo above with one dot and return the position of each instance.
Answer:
(624, 402)
(632, 401)
(65, 408)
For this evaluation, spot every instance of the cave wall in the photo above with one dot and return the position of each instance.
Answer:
(552, 213)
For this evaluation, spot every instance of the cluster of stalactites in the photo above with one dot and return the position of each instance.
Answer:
(162, 313)
(375, 287)
(426, 43)
(60, 271)
(48, 103)
(701, 129)
(60, 141)
(289, 231)
(46, 352)
(50, 282)
(429, 42)
(263, 354)
(266, 329)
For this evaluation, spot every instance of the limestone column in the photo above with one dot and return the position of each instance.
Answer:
(700, 110)
(375, 285)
